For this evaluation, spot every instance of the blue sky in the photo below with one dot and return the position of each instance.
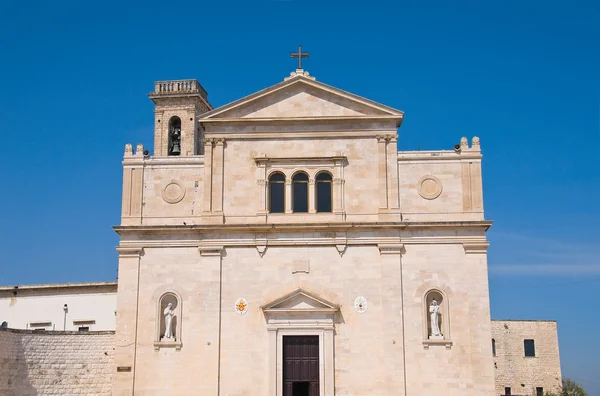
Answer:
(521, 75)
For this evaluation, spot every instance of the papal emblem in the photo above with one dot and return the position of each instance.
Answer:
(241, 306)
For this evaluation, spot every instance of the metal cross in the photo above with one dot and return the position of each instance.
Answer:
(299, 55)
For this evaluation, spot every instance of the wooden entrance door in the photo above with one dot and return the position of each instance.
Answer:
(301, 366)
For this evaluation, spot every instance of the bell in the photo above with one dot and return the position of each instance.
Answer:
(176, 150)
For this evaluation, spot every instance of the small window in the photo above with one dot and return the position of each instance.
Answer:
(529, 346)
(493, 347)
(539, 391)
(300, 193)
(40, 326)
(277, 193)
(83, 328)
(323, 190)
(507, 391)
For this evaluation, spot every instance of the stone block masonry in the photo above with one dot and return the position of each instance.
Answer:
(55, 362)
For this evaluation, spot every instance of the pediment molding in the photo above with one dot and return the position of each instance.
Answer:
(300, 301)
(250, 108)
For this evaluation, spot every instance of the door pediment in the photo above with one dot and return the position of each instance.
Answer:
(300, 301)
(301, 98)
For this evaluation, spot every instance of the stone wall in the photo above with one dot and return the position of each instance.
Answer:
(524, 374)
(55, 362)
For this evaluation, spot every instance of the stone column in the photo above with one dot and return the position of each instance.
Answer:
(127, 320)
(218, 168)
(392, 170)
(288, 196)
(208, 160)
(312, 205)
(392, 328)
(382, 171)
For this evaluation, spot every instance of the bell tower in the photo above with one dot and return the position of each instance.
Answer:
(179, 103)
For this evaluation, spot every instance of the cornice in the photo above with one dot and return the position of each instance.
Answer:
(478, 224)
(178, 162)
(286, 120)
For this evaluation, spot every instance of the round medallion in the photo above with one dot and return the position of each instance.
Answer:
(173, 192)
(429, 187)
(360, 304)
(241, 306)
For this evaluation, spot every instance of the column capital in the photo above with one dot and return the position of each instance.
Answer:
(206, 251)
(391, 248)
(475, 247)
(130, 251)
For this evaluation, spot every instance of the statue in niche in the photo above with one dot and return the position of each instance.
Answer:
(434, 310)
(169, 313)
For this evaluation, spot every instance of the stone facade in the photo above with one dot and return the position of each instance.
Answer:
(55, 363)
(199, 230)
(523, 374)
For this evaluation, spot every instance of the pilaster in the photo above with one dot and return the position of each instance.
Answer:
(127, 320)
(392, 170)
(211, 260)
(392, 328)
(218, 167)
(133, 180)
(208, 165)
(382, 174)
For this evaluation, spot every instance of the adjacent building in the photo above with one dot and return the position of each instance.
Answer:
(526, 357)
(70, 307)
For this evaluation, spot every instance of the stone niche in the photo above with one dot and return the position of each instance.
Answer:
(160, 341)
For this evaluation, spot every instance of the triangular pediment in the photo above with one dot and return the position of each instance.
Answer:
(301, 98)
(300, 301)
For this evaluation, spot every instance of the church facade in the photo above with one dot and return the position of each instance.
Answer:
(281, 245)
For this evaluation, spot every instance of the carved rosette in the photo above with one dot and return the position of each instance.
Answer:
(429, 187)
(173, 192)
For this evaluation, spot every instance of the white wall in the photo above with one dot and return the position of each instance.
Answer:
(31, 306)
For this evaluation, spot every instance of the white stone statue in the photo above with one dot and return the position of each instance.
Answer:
(169, 313)
(434, 310)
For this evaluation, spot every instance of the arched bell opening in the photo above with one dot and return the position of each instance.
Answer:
(174, 136)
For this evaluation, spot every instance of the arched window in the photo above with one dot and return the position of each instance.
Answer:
(168, 321)
(174, 136)
(323, 191)
(300, 193)
(277, 193)
(493, 347)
